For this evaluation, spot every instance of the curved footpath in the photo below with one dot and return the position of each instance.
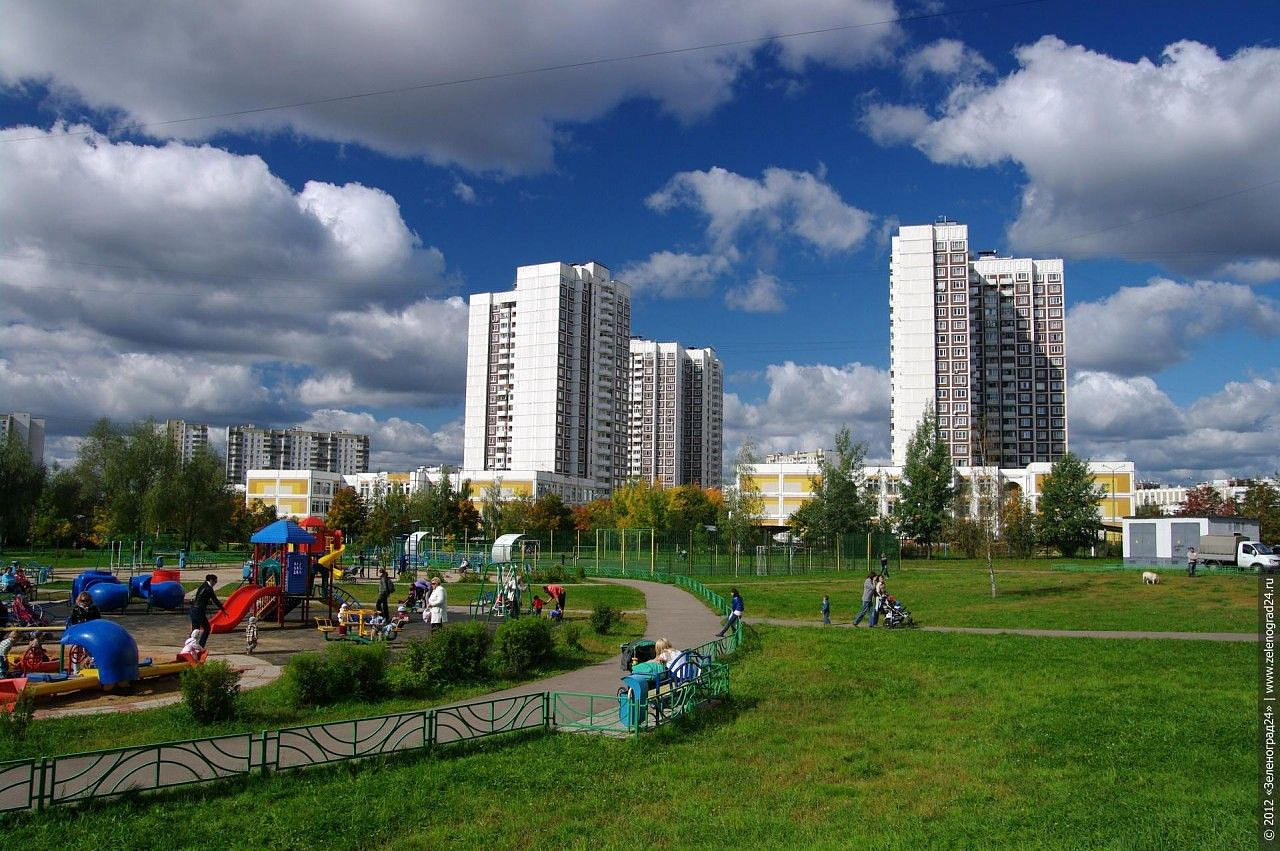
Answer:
(672, 613)
(1044, 633)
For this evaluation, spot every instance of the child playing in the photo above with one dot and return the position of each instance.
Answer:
(251, 635)
(192, 651)
(377, 627)
(826, 610)
(555, 614)
(537, 606)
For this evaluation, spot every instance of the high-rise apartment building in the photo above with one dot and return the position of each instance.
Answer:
(253, 448)
(675, 433)
(547, 377)
(29, 429)
(186, 436)
(983, 338)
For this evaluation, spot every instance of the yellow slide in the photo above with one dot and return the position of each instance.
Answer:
(331, 561)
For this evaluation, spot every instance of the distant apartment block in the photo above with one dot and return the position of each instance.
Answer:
(675, 431)
(186, 436)
(981, 337)
(29, 429)
(547, 380)
(253, 448)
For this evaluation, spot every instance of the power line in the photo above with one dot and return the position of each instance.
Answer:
(525, 72)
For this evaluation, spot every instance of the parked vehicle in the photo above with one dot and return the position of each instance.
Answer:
(1237, 551)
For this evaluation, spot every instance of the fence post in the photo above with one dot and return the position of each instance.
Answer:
(40, 785)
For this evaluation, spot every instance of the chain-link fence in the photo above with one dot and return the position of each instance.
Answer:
(703, 552)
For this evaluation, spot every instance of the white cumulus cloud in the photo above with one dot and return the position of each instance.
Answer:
(1147, 159)
(669, 274)
(946, 58)
(794, 204)
(186, 281)
(1141, 330)
(440, 65)
(762, 294)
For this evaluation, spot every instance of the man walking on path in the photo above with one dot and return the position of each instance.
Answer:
(200, 607)
(385, 586)
(735, 613)
(868, 594)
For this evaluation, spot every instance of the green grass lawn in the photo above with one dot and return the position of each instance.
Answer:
(1030, 598)
(833, 739)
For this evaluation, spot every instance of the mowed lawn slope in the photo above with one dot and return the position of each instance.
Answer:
(833, 739)
(1033, 599)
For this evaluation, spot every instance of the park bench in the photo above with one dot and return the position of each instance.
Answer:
(670, 691)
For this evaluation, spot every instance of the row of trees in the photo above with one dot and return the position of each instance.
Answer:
(125, 484)
(931, 507)
(1261, 500)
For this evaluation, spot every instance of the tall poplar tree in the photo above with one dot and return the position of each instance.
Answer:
(927, 491)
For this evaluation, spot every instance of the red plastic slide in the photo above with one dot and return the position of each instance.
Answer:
(239, 604)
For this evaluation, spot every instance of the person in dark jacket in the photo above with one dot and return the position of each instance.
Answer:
(83, 610)
(735, 613)
(205, 597)
(386, 585)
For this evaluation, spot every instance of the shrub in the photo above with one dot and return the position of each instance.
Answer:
(211, 691)
(603, 618)
(344, 670)
(457, 654)
(572, 635)
(524, 644)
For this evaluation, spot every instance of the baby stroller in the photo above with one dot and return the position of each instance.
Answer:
(22, 613)
(894, 615)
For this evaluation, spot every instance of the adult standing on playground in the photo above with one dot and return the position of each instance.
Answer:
(205, 595)
(437, 612)
(556, 592)
(385, 587)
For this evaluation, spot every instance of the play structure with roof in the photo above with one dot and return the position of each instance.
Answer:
(294, 565)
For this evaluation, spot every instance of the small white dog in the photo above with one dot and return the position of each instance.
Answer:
(1150, 577)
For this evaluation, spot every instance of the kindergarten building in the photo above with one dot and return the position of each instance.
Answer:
(785, 482)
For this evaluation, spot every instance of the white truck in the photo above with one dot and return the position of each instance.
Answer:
(1237, 551)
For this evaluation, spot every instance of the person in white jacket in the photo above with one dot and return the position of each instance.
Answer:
(437, 606)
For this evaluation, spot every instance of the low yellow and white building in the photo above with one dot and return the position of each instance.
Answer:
(787, 481)
(294, 493)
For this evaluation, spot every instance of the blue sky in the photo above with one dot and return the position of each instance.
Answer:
(743, 170)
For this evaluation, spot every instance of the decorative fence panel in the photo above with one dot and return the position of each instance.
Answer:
(18, 785)
(105, 774)
(487, 718)
(317, 744)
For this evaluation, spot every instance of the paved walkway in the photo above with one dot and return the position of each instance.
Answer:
(1044, 633)
(672, 613)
